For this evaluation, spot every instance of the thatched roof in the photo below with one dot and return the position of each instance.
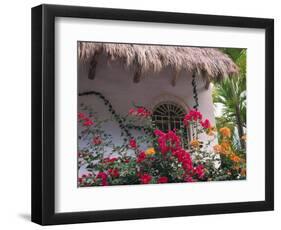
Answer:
(211, 63)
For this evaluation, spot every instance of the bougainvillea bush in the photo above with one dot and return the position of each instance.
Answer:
(157, 156)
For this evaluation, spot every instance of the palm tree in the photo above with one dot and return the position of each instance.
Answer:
(231, 94)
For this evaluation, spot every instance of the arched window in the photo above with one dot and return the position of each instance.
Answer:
(168, 116)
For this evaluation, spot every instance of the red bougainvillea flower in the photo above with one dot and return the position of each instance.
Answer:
(140, 112)
(162, 179)
(199, 170)
(103, 177)
(133, 143)
(174, 140)
(110, 160)
(81, 116)
(145, 178)
(81, 180)
(205, 124)
(127, 160)
(193, 115)
(97, 140)
(141, 157)
(88, 122)
(167, 141)
(113, 172)
(132, 111)
(184, 158)
(143, 112)
(158, 133)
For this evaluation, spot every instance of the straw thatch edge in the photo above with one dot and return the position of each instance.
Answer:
(210, 63)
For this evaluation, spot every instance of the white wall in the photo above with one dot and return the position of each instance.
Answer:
(116, 84)
(15, 114)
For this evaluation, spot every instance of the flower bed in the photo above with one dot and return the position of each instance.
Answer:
(168, 158)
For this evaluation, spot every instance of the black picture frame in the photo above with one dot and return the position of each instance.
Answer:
(43, 114)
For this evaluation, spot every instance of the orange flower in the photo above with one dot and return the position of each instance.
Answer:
(211, 131)
(235, 158)
(225, 132)
(195, 144)
(150, 151)
(217, 148)
(225, 146)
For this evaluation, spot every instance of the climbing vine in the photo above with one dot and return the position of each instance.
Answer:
(107, 103)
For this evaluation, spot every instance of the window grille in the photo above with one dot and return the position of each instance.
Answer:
(169, 116)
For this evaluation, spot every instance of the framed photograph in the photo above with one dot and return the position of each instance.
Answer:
(141, 114)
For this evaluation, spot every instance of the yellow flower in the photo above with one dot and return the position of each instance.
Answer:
(195, 144)
(225, 132)
(150, 151)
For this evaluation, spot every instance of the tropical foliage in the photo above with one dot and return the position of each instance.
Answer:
(230, 96)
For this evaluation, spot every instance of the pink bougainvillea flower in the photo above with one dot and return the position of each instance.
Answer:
(174, 140)
(140, 112)
(103, 177)
(97, 140)
(145, 178)
(143, 112)
(205, 124)
(133, 143)
(193, 115)
(110, 159)
(132, 111)
(88, 122)
(158, 133)
(113, 172)
(199, 170)
(184, 158)
(196, 115)
(141, 157)
(162, 179)
(81, 180)
(167, 141)
(81, 116)
(127, 160)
